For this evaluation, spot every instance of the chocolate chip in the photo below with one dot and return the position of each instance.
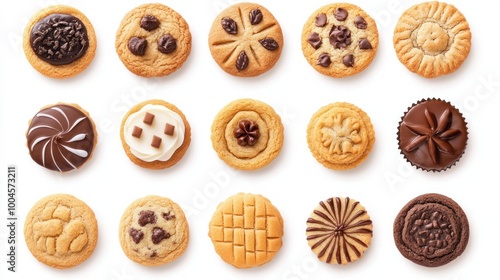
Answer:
(340, 14)
(149, 23)
(269, 44)
(324, 60)
(229, 25)
(137, 132)
(156, 142)
(137, 46)
(136, 235)
(314, 40)
(320, 20)
(242, 61)
(168, 216)
(148, 118)
(247, 133)
(158, 235)
(364, 44)
(340, 36)
(360, 22)
(255, 16)
(169, 129)
(348, 60)
(146, 217)
(167, 44)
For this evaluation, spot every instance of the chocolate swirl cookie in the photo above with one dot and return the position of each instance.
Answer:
(61, 137)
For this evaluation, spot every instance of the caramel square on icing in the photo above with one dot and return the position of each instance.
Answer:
(169, 129)
(156, 142)
(148, 118)
(137, 132)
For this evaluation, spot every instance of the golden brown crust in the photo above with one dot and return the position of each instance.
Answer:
(432, 39)
(60, 71)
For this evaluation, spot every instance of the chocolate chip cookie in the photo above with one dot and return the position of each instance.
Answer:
(245, 40)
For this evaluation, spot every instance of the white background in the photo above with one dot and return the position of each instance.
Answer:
(294, 182)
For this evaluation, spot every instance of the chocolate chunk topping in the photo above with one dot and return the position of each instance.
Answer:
(146, 217)
(156, 142)
(247, 133)
(229, 25)
(320, 20)
(324, 60)
(137, 46)
(269, 44)
(340, 36)
(169, 129)
(314, 40)
(364, 44)
(137, 132)
(59, 39)
(255, 16)
(158, 235)
(154, 254)
(340, 14)
(149, 23)
(348, 60)
(148, 118)
(167, 44)
(360, 22)
(168, 216)
(136, 235)
(242, 61)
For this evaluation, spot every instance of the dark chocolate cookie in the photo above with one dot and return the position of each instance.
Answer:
(431, 230)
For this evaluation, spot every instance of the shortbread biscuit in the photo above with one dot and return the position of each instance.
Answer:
(340, 136)
(61, 231)
(153, 231)
(247, 134)
(155, 134)
(153, 40)
(432, 39)
(339, 40)
(246, 230)
(59, 41)
(245, 40)
(339, 230)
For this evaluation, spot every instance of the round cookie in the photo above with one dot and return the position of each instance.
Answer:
(339, 230)
(153, 40)
(153, 231)
(247, 134)
(59, 41)
(340, 136)
(339, 40)
(245, 40)
(432, 39)
(246, 230)
(155, 134)
(431, 230)
(432, 135)
(61, 231)
(61, 137)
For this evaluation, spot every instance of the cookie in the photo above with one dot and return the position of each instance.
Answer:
(340, 136)
(339, 40)
(246, 230)
(155, 134)
(153, 40)
(153, 231)
(432, 135)
(59, 41)
(339, 230)
(61, 137)
(432, 39)
(245, 40)
(247, 134)
(61, 231)
(431, 230)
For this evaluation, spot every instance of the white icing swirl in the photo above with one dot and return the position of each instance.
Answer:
(141, 147)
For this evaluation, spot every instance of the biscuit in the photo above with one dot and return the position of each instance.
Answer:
(432, 39)
(247, 134)
(431, 230)
(59, 41)
(155, 134)
(61, 231)
(339, 230)
(153, 231)
(246, 230)
(340, 136)
(245, 40)
(61, 137)
(339, 40)
(153, 40)
(432, 135)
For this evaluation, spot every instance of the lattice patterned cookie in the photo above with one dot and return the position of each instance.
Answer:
(432, 39)
(246, 230)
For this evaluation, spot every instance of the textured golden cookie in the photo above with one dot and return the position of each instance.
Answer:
(153, 40)
(155, 134)
(432, 39)
(59, 41)
(339, 40)
(247, 134)
(340, 136)
(339, 230)
(61, 231)
(245, 40)
(246, 230)
(153, 231)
